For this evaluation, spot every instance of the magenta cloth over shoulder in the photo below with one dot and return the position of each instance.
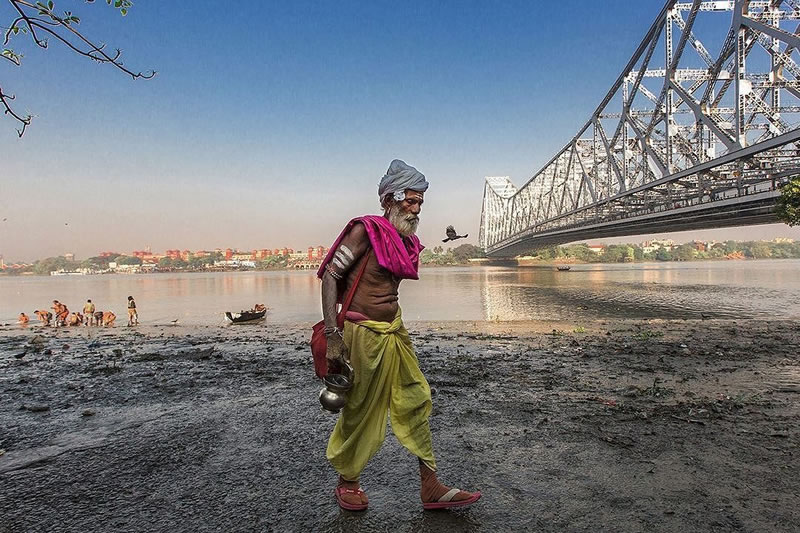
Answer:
(398, 255)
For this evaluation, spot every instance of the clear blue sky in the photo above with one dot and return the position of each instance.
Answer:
(270, 123)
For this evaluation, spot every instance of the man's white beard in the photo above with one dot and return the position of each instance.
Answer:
(405, 224)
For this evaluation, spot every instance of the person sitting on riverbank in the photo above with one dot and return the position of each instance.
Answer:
(108, 318)
(88, 311)
(387, 381)
(23, 319)
(44, 316)
(75, 319)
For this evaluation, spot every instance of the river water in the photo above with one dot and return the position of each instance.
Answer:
(713, 289)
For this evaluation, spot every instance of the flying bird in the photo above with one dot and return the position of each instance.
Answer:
(452, 235)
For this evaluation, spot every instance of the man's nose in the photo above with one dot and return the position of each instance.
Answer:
(415, 209)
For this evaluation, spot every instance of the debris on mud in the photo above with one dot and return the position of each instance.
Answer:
(628, 426)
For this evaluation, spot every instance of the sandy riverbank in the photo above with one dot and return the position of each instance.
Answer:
(624, 426)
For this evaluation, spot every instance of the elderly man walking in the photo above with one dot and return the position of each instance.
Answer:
(382, 250)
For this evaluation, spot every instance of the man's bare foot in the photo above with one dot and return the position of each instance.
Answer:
(350, 496)
(436, 495)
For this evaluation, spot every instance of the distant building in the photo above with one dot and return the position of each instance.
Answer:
(648, 248)
(241, 256)
(69, 256)
(655, 245)
(597, 248)
(297, 256)
(126, 269)
(783, 240)
(235, 263)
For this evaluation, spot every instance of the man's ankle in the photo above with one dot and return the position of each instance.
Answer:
(347, 482)
(425, 472)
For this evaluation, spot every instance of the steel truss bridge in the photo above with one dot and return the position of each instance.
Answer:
(683, 140)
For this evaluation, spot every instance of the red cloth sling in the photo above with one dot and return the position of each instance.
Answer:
(319, 342)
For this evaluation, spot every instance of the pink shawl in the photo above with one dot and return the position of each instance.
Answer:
(398, 255)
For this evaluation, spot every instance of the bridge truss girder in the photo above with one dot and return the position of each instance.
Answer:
(696, 129)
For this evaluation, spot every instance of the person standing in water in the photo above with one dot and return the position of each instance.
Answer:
(88, 312)
(133, 316)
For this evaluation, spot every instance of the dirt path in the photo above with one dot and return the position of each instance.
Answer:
(631, 426)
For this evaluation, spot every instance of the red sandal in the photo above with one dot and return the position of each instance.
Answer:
(349, 506)
(446, 500)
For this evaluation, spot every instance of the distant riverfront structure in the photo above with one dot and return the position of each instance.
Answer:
(658, 250)
(171, 260)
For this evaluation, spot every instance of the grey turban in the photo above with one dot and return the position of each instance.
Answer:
(400, 177)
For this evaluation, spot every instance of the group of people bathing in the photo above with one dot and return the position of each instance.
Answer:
(89, 317)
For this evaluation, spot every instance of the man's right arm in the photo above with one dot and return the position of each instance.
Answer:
(346, 256)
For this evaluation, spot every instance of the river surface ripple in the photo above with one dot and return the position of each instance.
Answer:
(712, 289)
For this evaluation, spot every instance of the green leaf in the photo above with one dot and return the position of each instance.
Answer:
(10, 54)
(123, 11)
(118, 3)
(50, 4)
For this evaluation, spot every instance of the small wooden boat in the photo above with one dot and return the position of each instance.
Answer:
(563, 268)
(243, 317)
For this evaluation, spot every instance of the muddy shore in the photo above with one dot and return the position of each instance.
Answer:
(611, 426)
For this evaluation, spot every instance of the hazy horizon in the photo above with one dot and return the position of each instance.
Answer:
(274, 130)
(747, 233)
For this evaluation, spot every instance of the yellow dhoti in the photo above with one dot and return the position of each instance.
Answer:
(387, 381)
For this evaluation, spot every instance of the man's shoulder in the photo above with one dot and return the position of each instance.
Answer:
(355, 233)
(358, 231)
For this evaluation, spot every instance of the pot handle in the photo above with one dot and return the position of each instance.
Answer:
(348, 368)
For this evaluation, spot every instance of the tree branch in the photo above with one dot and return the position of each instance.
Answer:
(25, 121)
(40, 19)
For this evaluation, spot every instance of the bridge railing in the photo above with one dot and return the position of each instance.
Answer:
(677, 125)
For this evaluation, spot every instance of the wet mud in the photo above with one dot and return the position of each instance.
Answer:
(624, 426)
